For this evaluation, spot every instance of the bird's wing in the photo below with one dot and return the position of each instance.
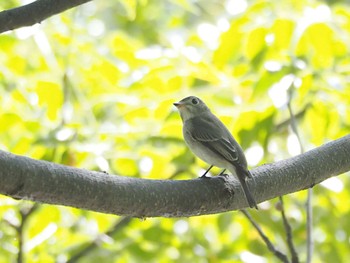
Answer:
(215, 136)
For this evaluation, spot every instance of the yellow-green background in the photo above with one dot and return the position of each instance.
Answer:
(93, 88)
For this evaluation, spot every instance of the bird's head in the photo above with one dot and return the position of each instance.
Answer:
(191, 107)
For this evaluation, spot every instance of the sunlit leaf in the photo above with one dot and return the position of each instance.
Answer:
(317, 43)
(255, 42)
(282, 31)
(126, 166)
(230, 42)
(50, 96)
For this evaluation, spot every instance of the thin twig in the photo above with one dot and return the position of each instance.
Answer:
(309, 192)
(120, 224)
(281, 256)
(289, 234)
(294, 125)
(299, 115)
(309, 214)
(25, 213)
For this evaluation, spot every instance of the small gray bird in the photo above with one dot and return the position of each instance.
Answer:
(209, 139)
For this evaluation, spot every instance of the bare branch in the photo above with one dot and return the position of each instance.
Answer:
(280, 255)
(25, 213)
(89, 246)
(309, 226)
(309, 194)
(299, 115)
(293, 124)
(288, 229)
(35, 12)
(42, 181)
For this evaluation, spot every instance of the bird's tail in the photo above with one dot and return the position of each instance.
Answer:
(242, 175)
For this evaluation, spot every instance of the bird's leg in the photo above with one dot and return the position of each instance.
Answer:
(204, 175)
(222, 172)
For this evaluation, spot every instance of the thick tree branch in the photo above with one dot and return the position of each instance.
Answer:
(41, 181)
(35, 12)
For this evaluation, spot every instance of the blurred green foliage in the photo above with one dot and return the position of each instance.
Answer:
(93, 88)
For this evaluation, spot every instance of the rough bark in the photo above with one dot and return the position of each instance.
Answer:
(51, 183)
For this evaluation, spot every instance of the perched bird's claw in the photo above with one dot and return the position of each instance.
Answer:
(204, 175)
(223, 173)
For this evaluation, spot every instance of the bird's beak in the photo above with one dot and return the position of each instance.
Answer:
(178, 104)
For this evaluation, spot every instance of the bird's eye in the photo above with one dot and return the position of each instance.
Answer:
(194, 101)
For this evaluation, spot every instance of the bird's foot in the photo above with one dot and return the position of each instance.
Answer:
(223, 173)
(204, 175)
